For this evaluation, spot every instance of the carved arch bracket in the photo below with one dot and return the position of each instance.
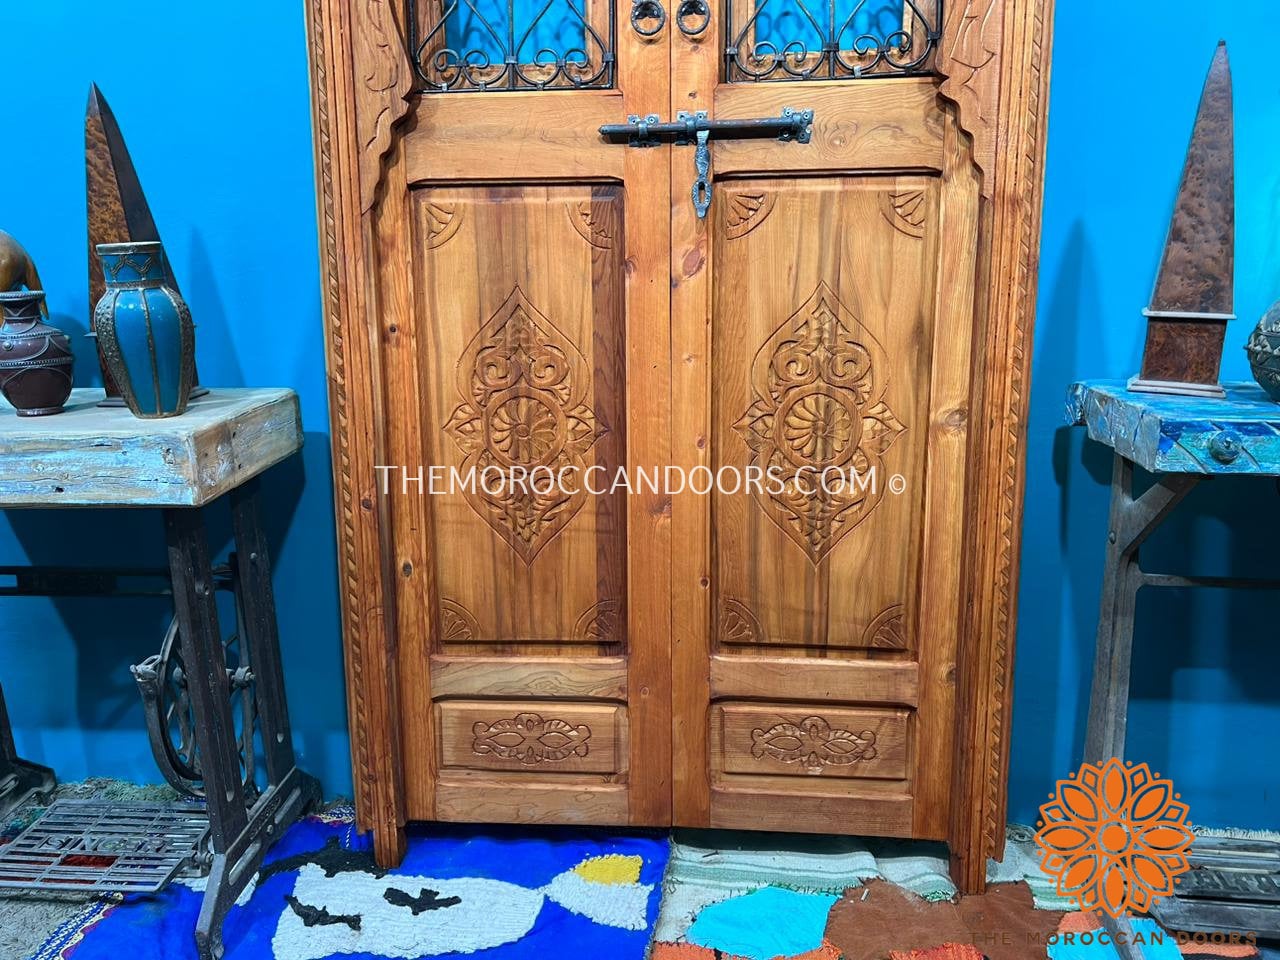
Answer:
(383, 81)
(968, 59)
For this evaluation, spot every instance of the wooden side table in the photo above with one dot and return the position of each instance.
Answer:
(1181, 441)
(91, 456)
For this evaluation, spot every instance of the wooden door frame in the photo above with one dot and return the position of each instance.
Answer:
(994, 62)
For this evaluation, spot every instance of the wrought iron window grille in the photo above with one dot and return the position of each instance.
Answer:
(819, 40)
(474, 46)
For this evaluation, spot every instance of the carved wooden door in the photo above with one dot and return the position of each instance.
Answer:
(801, 264)
(818, 614)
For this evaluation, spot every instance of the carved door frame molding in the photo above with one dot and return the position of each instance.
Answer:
(994, 62)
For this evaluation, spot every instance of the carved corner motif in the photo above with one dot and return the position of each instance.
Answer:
(440, 221)
(530, 739)
(744, 211)
(969, 60)
(457, 625)
(383, 81)
(525, 392)
(813, 743)
(905, 210)
(889, 630)
(593, 222)
(600, 623)
(818, 385)
(738, 625)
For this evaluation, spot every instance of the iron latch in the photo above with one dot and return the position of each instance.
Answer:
(699, 130)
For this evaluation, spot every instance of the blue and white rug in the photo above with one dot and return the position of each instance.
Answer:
(487, 893)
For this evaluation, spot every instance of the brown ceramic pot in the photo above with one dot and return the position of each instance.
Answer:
(35, 358)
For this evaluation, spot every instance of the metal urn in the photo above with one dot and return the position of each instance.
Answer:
(35, 358)
(1263, 348)
(144, 330)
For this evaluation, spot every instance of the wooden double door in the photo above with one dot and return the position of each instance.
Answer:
(670, 510)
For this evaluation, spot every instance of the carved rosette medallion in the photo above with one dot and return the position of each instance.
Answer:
(525, 388)
(530, 739)
(813, 743)
(819, 410)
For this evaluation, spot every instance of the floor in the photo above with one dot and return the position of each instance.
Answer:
(855, 899)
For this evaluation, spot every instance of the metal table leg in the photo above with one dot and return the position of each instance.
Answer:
(239, 835)
(19, 780)
(1131, 522)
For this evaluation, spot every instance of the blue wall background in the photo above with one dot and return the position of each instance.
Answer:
(1204, 702)
(214, 104)
(213, 101)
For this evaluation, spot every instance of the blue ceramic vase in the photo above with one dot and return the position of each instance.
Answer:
(144, 331)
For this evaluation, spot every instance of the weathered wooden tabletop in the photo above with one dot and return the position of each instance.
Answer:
(1239, 434)
(91, 456)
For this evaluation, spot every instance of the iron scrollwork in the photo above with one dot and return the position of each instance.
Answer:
(466, 46)
(809, 40)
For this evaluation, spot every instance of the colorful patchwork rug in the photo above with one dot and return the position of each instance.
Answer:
(487, 893)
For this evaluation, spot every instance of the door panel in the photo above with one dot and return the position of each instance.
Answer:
(822, 379)
(771, 740)
(526, 370)
(534, 657)
(822, 319)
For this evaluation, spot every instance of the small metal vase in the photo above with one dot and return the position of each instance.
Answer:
(144, 331)
(35, 358)
(1263, 348)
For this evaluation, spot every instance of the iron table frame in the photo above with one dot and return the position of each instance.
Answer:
(240, 831)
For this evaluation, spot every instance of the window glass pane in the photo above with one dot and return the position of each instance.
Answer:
(514, 44)
(826, 39)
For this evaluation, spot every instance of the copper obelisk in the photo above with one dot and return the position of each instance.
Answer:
(118, 210)
(1194, 292)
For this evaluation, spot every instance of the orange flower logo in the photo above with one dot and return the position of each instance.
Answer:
(1114, 837)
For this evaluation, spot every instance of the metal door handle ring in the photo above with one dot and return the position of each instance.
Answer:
(642, 10)
(698, 9)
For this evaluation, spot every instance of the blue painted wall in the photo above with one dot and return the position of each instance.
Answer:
(1205, 703)
(214, 104)
(216, 115)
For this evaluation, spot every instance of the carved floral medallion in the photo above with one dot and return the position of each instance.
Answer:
(818, 385)
(525, 389)
(530, 739)
(813, 743)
